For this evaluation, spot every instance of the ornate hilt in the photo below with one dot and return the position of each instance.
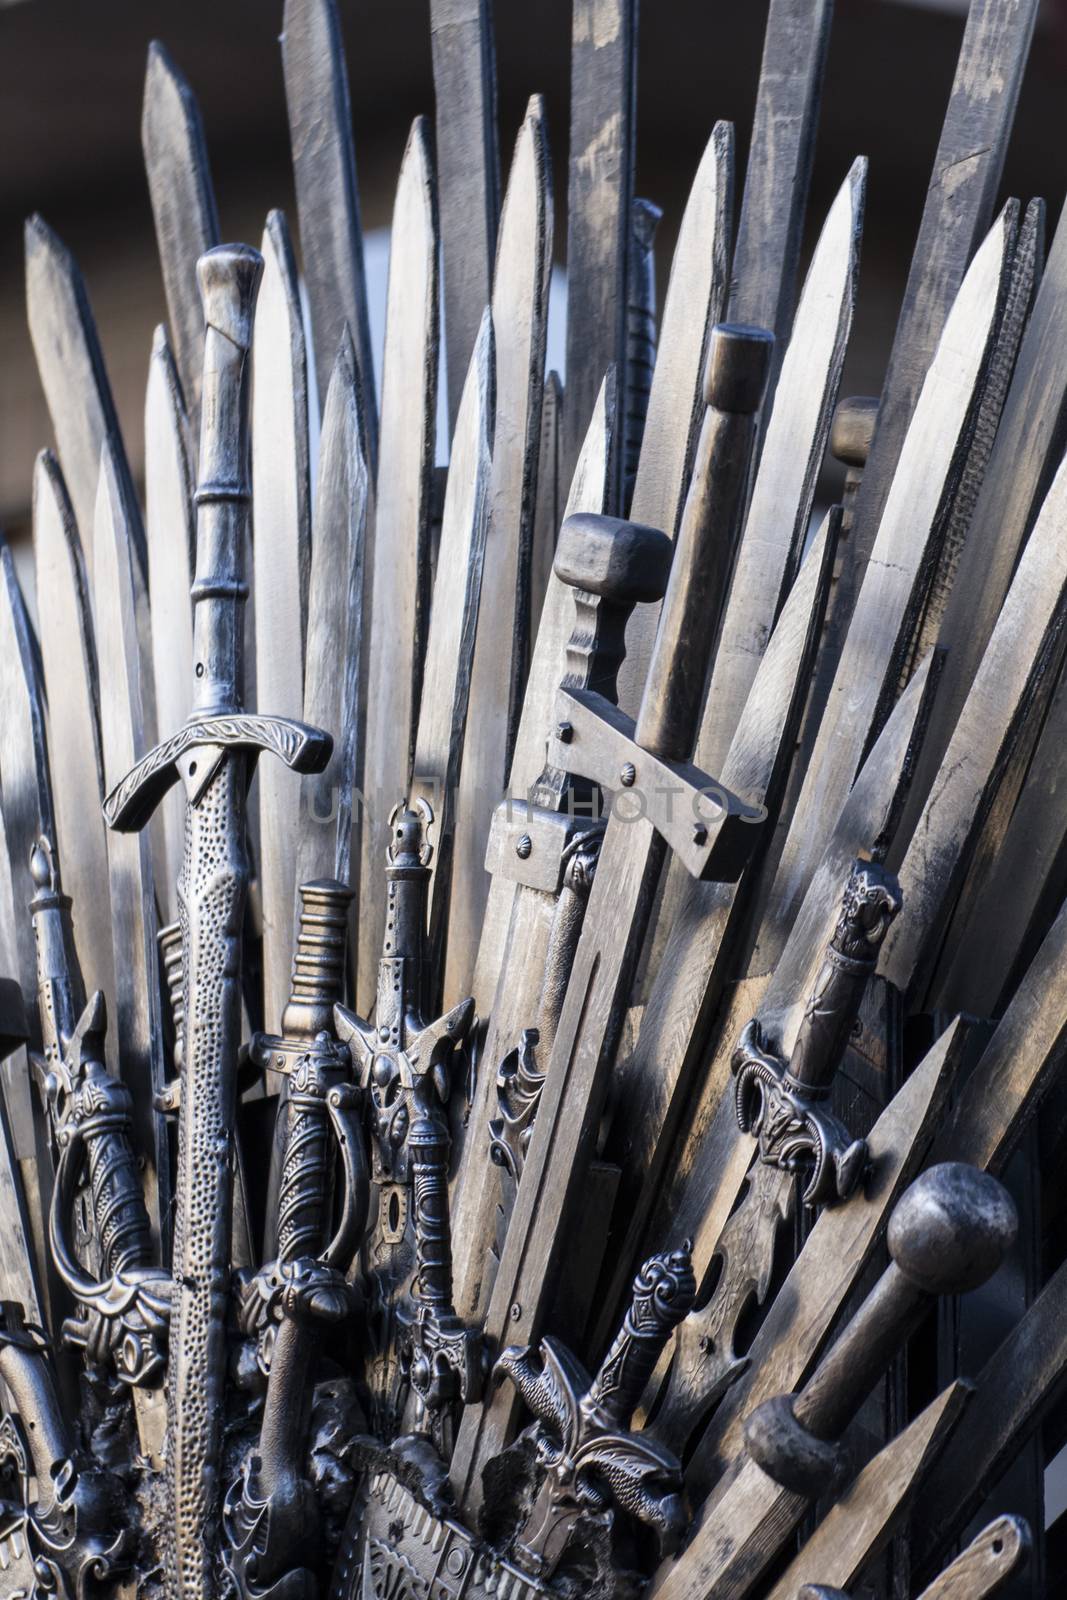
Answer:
(784, 1107)
(591, 1465)
(948, 1234)
(125, 1314)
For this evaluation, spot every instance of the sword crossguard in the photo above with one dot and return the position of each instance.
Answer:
(133, 800)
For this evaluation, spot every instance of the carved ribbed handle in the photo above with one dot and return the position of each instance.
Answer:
(428, 1144)
(663, 1293)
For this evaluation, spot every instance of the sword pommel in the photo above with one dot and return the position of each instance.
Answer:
(229, 278)
(738, 365)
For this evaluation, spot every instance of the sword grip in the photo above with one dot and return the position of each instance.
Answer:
(735, 377)
(229, 282)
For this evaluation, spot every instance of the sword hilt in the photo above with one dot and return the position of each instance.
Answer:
(735, 377)
(229, 283)
(663, 1294)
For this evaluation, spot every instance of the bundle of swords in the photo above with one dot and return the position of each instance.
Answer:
(534, 994)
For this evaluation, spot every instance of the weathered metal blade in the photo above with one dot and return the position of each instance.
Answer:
(75, 381)
(453, 620)
(645, 218)
(23, 1241)
(809, 1304)
(793, 448)
(468, 173)
(991, 1560)
(398, 589)
(1024, 653)
(959, 205)
(335, 604)
(138, 1025)
(508, 1005)
(653, 1082)
(631, 855)
(170, 527)
(520, 321)
(183, 205)
(546, 518)
(68, 650)
(713, 1162)
(766, 256)
(327, 195)
(696, 296)
(1016, 1388)
(25, 787)
(599, 192)
(916, 510)
(859, 1526)
(281, 492)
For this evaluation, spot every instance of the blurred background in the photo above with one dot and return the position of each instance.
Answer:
(70, 105)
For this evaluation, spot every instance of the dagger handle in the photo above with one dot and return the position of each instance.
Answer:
(319, 960)
(229, 282)
(735, 377)
(119, 1209)
(871, 900)
(663, 1293)
(59, 989)
(305, 1196)
(428, 1144)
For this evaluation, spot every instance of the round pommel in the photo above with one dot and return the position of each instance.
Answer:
(623, 561)
(952, 1228)
(229, 282)
(739, 360)
(853, 430)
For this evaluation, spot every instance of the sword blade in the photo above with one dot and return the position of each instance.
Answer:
(171, 532)
(24, 1254)
(453, 621)
(398, 586)
(327, 195)
(793, 448)
(546, 519)
(520, 320)
(335, 623)
(696, 295)
(76, 756)
(138, 1003)
(281, 492)
(468, 172)
(916, 511)
(599, 192)
(183, 206)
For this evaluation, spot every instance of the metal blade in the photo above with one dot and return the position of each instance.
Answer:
(914, 520)
(183, 205)
(959, 205)
(767, 253)
(859, 1526)
(170, 525)
(696, 296)
(327, 195)
(453, 620)
(27, 813)
(468, 173)
(281, 494)
(23, 1189)
(599, 192)
(398, 587)
(793, 448)
(68, 649)
(335, 603)
(520, 320)
(654, 1080)
(546, 519)
(1025, 652)
(137, 1024)
(75, 382)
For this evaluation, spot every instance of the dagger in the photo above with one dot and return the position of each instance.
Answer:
(212, 755)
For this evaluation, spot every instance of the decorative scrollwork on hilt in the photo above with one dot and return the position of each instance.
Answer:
(663, 1294)
(784, 1106)
(124, 1315)
(592, 1465)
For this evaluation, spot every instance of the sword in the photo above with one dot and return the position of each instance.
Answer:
(212, 756)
